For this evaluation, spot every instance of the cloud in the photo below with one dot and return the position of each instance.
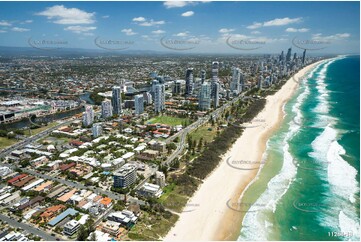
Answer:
(293, 30)
(181, 4)
(3, 31)
(255, 25)
(224, 30)
(274, 22)
(81, 29)
(334, 37)
(105, 16)
(182, 34)
(255, 32)
(176, 4)
(281, 21)
(188, 14)
(158, 31)
(4, 23)
(151, 23)
(29, 21)
(17, 29)
(128, 32)
(139, 19)
(62, 15)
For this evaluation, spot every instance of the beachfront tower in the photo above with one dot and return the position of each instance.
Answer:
(288, 56)
(236, 81)
(204, 101)
(303, 57)
(216, 87)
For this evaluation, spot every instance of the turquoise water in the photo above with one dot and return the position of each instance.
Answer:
(313, 190)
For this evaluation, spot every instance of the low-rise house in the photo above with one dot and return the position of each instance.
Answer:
(65, 167)
(62, 216)
(125, 218)
(51, 212)
(112, 228)
(32, 203)
(148, 155)
(71, 227)
(106, 202)
(149, 190)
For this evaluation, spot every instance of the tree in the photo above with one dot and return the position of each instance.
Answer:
(82, 233)
(93, 237)
(200, 144)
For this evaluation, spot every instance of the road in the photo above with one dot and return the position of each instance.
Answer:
(105, 214)
(183, 133)
(31, 139)
(75, 184)
(30, 229)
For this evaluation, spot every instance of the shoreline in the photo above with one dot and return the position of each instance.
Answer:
(213, 219)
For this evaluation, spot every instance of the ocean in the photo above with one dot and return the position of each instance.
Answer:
(309, 187)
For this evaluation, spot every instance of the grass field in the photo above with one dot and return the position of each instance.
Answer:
(5, 142)
(152, 227)
(172, 121)
(205, 133)
(38, 130)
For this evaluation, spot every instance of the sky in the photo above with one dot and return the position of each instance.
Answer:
(174, 26)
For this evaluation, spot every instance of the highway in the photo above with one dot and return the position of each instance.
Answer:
(31, 139)
(183, 133)
(30, 229)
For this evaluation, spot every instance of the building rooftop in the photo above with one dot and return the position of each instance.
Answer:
(62, 216)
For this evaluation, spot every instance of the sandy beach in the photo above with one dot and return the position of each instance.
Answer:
(212, 218)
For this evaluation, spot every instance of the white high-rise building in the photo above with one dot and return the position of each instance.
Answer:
(139, 104)
(106, 109)
(125, 176)
(216, 88)
(116, 100)
(160, 178)
(236, 81)
(204, 101)
(97, 130)
(159, 98)
(88, 116)
(189, 81)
